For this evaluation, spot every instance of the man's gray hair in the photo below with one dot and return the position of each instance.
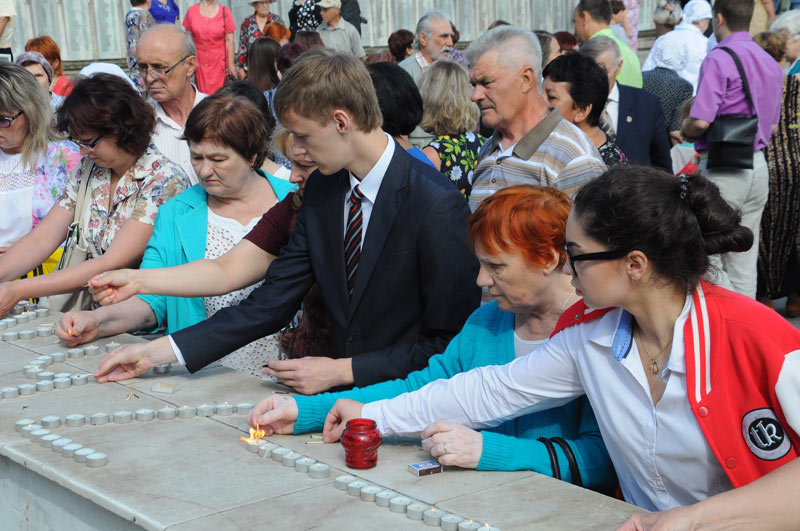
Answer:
(788, 22)
(597, 46)
(187, 44)
(425, 25)
(517, 47)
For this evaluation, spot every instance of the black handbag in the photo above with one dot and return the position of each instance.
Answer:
(731, 137)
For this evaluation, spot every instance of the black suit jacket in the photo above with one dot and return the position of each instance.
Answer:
(641, 129)
(415, 284)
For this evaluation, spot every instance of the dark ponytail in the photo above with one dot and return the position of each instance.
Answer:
(677, 222)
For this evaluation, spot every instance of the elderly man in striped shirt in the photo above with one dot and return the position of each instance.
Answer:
(532, 144)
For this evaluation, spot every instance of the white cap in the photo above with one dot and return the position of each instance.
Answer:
(697, 10)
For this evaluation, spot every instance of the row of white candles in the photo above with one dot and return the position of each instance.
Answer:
(398, 503)
(289, 458)
(63, 445)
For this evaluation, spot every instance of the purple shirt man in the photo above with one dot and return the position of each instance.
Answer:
(720, 89)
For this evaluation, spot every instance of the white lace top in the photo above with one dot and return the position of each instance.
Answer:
(223, 234)
(16, 198)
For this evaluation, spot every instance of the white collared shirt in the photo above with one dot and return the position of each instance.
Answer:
(612, 106)
(167, 136)
(659, 452)
(369, 187)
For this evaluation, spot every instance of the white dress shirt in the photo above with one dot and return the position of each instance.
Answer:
(659, 452)
(167, 137)
(612, 106)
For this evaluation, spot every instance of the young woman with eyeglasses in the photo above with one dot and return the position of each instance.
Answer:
(129, 179)
(34, 163)
(695, 388)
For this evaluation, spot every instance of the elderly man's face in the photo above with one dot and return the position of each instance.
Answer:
(606, 60)
(498, 91)
(438, 45)
(163, 50)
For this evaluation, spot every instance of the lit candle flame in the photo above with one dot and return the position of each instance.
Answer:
(255, 435)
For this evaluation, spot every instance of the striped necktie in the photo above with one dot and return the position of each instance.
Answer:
(352, 238)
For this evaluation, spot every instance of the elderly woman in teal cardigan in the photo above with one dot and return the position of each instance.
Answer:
(228, 142)
(518, 235)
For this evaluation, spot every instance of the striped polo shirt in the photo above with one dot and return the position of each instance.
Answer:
(554, 153)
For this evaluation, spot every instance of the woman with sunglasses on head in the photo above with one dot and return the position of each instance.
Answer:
(34, 163)
(128, 180)
(695, 387)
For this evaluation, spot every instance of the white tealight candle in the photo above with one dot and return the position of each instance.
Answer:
(265, 450)
(31, 371)
(59, 445)
(369, 492)
(10, 392)
(399, 504)
(110, 346)
(79, 379)
(466, 525)
(450, 522)
(18, 425)
(42, 312)
(45, 385)
(253, 446)
(96, 460)
(44, 331)
(144, 415)
(290, 459)
(44, 360)
(167, 413)
(62, 375)
(3, 324)
(38, 434)
(27, 430)
(51, 421)
(59, 356)
(302, 464)
(27, 334)
(80, 455)
(73, 421)
(161, 369)
(22, 318)
(205, 411)
(91, 350)
(433, 517)
(70, 449)
(384, 497)
(415, 510)
(99, 419)
(223, 410)
(46, 375)
(122, 417)
(319, 471)
(18, 308)
(47, 440)
(278, 453)
(75, 353)
(187, 412)
(30, 306)
(10, 336)
(342, 482)
(27, 389)
(62, 383)
(244, 408)
(354, 487)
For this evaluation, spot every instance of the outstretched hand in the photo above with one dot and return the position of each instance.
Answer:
(343, 410)
(130, 361)
(76, 328)
(113, 286)
(275, 414)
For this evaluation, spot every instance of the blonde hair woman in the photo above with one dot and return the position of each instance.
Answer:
(451, 116)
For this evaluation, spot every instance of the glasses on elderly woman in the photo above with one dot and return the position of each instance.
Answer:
(6, 121)
(604, 255)
(83, 144)
(159, 72)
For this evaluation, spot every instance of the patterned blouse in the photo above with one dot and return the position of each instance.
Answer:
(151, 181)
(304, 17)
(249, 32)
(459, 158)
(137, 21)
(612, 155)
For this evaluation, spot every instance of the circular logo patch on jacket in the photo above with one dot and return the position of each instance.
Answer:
(764, 435)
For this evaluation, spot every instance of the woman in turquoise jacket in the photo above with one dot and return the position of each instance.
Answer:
(518, 235)
(228, 142)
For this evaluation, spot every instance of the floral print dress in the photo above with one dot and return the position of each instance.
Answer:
(459, 158)
(137, 21)
(249, 32)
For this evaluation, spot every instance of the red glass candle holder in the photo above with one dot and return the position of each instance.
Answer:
(360, 440)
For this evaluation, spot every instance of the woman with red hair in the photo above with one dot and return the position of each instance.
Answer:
(518, 235)
(60, 84)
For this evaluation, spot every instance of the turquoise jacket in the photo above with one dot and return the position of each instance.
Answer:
(488, 339)
(179, 236)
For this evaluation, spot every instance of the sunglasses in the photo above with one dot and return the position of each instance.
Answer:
(6, 121)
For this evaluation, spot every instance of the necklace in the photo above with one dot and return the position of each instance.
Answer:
(654, 368)
(564, 306)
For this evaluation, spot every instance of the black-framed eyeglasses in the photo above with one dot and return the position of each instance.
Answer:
(604, 255)
(159, 73)
(85, 145)
(6, 121)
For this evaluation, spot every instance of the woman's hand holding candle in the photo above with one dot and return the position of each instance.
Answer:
(343, 410)
(275, 414)
(130, 361)
(76, 328)
(453, 444)
(113, 286)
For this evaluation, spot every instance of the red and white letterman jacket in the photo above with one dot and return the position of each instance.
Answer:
(743, 379)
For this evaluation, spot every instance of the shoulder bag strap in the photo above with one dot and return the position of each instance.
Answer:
(83, 208)
(745, 84)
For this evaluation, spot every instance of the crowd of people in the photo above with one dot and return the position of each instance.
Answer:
(498, 248)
